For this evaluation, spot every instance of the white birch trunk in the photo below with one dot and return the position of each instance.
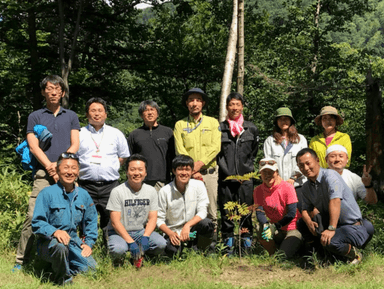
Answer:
(240, 48)
(229, 62)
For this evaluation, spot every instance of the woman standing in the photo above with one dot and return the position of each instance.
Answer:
(329, 119)
(283, 146)
(277, 200)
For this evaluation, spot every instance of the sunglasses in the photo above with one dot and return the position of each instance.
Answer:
(263, 163)
(69, 156)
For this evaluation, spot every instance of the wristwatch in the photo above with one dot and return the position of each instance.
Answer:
(331, 228)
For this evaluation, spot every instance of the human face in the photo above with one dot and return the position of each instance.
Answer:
(309, 166)
(150, 114)
(337, 160)
(52, 93)
(96, 115)
(268, 176)
(328, 122)
(195, 104)
(284, 122)
(182, 175)
(136, 173)
(234, 108)
(68, 171)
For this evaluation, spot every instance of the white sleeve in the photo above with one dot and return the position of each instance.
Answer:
(268, 147)
(162, 211)
(122, 145)
(114, 201)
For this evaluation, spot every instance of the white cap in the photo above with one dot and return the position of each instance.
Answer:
(336, 147)
(268, 163)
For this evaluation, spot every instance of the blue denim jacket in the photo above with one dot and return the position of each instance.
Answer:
(55, 211)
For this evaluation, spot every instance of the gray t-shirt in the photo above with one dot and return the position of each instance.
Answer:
(134, 207)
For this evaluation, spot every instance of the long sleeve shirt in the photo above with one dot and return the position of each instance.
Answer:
(319, 146)
(176, 209)
(201, 140)
(286, 158)
(54, 210)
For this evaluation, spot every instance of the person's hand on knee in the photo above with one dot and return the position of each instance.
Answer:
(134, 250)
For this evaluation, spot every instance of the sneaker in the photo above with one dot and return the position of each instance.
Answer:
(358, 259)
(355, 256)
(17, 268)
(68, 281)
(247, 242)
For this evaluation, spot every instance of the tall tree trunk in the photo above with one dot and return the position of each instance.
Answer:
(34, 59)
(374, 126)
(66, 68)
(229, 62)
(313, 73)
(240, 47)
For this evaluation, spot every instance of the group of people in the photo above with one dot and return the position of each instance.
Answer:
(77, 177)
(308, 205)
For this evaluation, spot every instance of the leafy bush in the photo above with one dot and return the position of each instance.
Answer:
(13, 200)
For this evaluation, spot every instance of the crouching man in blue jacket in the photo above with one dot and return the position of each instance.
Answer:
(60, 209)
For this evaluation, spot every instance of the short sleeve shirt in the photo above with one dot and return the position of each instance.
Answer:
(60, 127)
(99, 153)
(275, 200)
(330, 185)
(355, 183)
(134, 206)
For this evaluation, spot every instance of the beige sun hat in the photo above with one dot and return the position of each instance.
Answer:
(329, 110)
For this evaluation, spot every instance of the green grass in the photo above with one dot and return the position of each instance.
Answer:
(197, 271)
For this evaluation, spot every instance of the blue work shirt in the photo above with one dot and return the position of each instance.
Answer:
(55, 211)
(60, 126)
(330, 185)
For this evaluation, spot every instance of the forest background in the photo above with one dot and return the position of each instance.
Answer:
(301, 54)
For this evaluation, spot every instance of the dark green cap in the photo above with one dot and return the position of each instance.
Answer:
(284, 111)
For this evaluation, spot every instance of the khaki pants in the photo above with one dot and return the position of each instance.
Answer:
(287, 241)
(41, 180)
(210, 181)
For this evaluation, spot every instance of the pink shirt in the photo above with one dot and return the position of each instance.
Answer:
(274, 201)
(328, 140)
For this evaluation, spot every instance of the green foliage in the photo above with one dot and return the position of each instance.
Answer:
(246, 177)
(13, 201)
(236, 211)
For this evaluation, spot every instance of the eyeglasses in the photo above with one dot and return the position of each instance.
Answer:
(69, 156)
(263, 163)
(51, 89)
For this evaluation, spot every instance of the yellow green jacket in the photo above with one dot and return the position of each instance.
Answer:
(199, 140)
(318, 145)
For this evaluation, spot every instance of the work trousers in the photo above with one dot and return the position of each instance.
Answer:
(204, 236)
(41, 180)
(210, 180)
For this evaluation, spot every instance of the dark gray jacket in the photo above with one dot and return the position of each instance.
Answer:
(237, 154)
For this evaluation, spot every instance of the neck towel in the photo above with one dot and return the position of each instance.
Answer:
(236, 125)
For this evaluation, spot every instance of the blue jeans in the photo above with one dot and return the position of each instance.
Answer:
(66, 260)
(118, 247)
